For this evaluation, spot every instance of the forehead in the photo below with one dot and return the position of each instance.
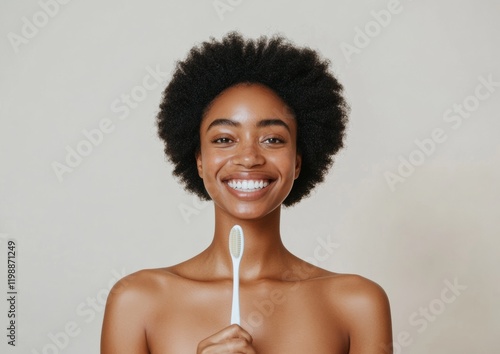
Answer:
(244, 101)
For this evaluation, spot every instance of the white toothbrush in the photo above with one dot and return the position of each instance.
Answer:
(236, 246)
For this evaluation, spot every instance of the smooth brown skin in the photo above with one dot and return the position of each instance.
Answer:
(287, 305)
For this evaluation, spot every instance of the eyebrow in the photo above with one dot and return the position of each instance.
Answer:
(260, 124)
(223, 121)
(273, 121)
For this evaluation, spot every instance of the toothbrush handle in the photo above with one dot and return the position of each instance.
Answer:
(235, 310)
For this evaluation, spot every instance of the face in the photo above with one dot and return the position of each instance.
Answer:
(248, 157)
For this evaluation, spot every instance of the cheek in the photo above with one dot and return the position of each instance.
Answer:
(287, 163)
(211, 164)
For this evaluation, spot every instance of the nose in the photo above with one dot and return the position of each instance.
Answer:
(248, 155)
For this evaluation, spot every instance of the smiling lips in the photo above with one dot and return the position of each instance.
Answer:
(245, 185)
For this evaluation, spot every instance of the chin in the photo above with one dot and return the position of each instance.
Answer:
(252, 212)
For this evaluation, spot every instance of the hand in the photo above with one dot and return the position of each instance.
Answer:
(232, 339)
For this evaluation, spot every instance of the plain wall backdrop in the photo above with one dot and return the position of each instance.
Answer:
(412, 201)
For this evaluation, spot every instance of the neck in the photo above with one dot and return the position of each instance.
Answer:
(264, 253)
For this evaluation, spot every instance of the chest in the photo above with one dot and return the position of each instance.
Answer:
(280, 318)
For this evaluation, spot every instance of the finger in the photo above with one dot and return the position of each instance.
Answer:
(233, 331)
(230, 346)
(238, 345)
(239, 332)
(225, 338)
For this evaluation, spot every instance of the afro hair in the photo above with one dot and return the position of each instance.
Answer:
(297, 74)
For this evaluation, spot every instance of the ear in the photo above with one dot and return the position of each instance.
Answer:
(298, 165)
(199, 164)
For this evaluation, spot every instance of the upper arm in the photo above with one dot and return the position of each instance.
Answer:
(369, 318)
(123, 329)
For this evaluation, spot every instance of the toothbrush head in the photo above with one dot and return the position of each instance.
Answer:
(236, 241)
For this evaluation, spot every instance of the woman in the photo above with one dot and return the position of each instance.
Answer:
(251, 125)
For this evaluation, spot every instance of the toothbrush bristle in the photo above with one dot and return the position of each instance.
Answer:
(235, 241)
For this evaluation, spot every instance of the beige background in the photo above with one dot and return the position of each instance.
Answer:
(119, 209)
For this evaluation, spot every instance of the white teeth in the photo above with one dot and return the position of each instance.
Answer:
(247, 185)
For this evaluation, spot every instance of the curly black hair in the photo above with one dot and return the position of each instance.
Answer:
(297, 74)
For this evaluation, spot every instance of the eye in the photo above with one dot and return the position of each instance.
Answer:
(273, 141)
(222, 140)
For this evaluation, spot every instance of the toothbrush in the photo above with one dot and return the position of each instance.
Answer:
(236, 246)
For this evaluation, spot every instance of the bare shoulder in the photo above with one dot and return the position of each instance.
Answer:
(148, 284)
(352, 288)
(350, 294)
(350, 291)
(131, 302)
(136, 294)
(142, 284)
(363, 308)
